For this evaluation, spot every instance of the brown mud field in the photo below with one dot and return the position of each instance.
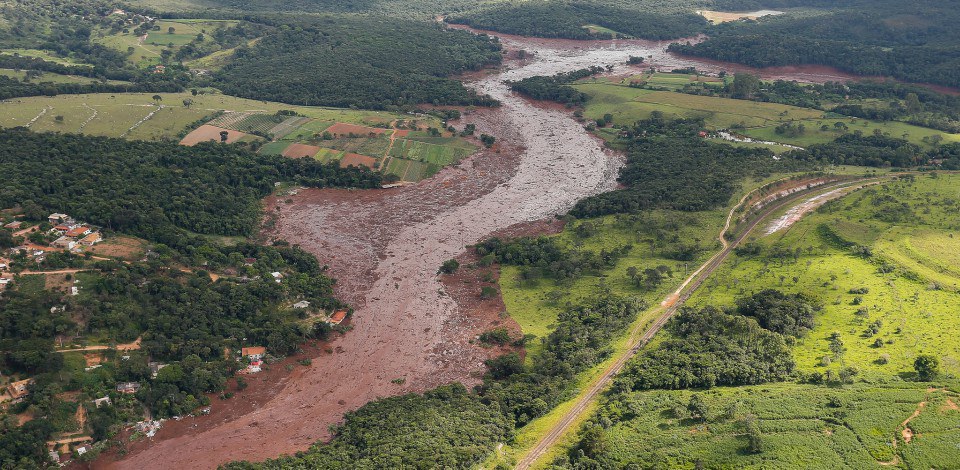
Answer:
(385, 247)
(656, 55)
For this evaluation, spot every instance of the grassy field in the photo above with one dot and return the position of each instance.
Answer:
(51, 77)
(757, 120)
(910, 276)
(116, 113)
(148, 51)
(40, 54)
(801, 426)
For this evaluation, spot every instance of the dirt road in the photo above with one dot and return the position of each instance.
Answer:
(670, 307)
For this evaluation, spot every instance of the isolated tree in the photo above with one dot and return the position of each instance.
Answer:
(698, 408)
(224, 135)
(744, 85)
(171, 30)
(157, 98)
(836, 346)
(927, 367)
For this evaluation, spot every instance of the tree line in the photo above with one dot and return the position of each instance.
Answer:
(150, 189)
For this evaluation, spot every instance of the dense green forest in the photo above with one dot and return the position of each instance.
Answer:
(555, 88)
(566, 19)
(668, 167)
(372, 63)
(447, 427)
(153, 190)
(866, 38)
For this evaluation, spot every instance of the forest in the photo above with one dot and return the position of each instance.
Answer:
(668, 167)
(555, 88)
(873, 39)
(150, 189)
(401, 63)
(565, 19)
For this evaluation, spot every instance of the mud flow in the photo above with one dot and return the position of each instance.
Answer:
(385, 247)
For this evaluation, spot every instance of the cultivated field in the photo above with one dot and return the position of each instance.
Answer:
(208, 133)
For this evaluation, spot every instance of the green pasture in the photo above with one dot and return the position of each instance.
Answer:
(116, 113)
(148, 50)
(50, 77)
(801, 426)
(42, 54)
(754, 119)
(907, 270)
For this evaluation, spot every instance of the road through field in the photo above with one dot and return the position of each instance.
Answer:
(670, 307)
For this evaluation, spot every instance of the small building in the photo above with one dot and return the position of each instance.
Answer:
(57, 218)
(62, 228)
(78, 231)
(66, 243)
(128, 387)
(254, 353)
(84, 449)
(277, 276)
(338, 317)
(302, 304)
(159, 69)
(249, 261)
(54, 456)
(15, 225)
(105, 401)
(91, 239)
(155, 368)
(19, 389)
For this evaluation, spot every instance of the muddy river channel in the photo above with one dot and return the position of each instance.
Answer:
(385, 246)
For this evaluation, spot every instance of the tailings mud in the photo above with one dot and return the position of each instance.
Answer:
(385, 247)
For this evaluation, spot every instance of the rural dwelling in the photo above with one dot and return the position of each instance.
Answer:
(4, 282)
(62, 228)
(66, 243)
(15, 225)
(54, 456)
(84, 449)
(302, 304)
(277, 276)
(149, 428)
(105, 401)
(128, 387)
(155, 368)
(18, 390)
(249, 261)
(91, 239)
(56, 218)
(78, 231)
(254, 353)
(338, 317)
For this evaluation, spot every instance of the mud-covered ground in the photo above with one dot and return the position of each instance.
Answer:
(385, 247)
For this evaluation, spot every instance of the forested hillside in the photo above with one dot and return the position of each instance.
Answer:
(563, 19)
(365, 62)
(866, 38)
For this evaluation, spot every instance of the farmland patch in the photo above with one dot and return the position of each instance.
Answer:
(207, 133)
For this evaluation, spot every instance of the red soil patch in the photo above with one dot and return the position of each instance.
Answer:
(347, 129)
(300, 151)
(357, 160)
(206, 133)
(400, 133)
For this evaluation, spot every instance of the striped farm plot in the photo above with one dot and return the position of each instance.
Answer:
(289, 125)
(430, 153)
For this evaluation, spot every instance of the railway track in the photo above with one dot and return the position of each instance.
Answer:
(670, 307)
